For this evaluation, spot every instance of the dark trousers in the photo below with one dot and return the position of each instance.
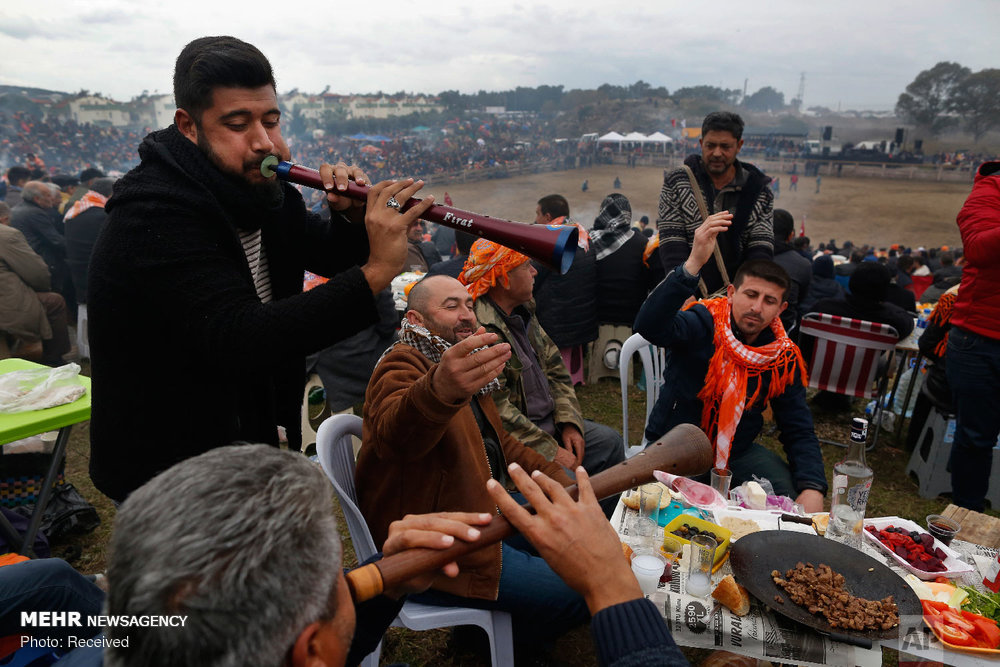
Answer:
(55, 311)
(973, 367)
(47, 584)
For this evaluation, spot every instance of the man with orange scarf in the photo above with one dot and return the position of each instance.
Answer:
(729, 357)
(536, 399)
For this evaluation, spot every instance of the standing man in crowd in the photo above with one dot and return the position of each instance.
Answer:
(536, 399)
(731, 190)
(973, 356)
(433, 438)
(729, 357)
(798, 267)
(564, 303)
(200, 267)
(84, 221)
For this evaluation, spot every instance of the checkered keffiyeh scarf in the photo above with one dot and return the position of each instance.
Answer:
(613, 225)
(488, 265)
(430, 346)
(724, 395)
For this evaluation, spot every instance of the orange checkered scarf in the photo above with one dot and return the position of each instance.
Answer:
(582, 237)
(88, 200)
(724, 395)
(488, 265)
(941, 316)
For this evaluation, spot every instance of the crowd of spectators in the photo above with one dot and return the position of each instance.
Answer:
(54, 146)
(65, 146)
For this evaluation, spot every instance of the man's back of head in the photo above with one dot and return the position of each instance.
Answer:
(17, 176)
(38, 193)
(208, 63)
(552, 206)
(240, 540)
(103, 186)
(784, 224)
(870, 282)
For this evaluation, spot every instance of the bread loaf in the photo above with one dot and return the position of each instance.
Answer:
(732, 595)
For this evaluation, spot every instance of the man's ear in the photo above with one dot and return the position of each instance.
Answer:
(730, 291)
(784, 304)
(304, 653)
(739, 145)
(413, 317)
(185, 123)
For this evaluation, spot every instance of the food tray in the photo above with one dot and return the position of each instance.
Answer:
(720, 532)
(954, 565)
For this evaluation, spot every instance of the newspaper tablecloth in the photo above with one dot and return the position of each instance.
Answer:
(766, 635)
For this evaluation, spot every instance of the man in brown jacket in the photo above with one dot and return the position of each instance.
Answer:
(28, 309)
(432, 439)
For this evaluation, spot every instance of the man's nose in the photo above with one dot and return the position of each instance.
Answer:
(260, 141)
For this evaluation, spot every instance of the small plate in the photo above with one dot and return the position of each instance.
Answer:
(954, 565)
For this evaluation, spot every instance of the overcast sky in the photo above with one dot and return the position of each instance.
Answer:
(854, 53)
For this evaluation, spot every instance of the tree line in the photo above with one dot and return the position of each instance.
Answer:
(949, 95)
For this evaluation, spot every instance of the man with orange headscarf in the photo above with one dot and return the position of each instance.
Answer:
(729, 357)
(536, 399)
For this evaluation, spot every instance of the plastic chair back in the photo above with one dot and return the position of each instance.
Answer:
(845, 357)
(335, 450)
(336, 454)
(653, 364)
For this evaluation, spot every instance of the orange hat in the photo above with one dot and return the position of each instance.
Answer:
(488, 265)
(944, 248)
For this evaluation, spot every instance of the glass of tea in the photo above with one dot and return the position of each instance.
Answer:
(942, 527)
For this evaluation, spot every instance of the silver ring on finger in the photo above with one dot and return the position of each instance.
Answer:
(392, 203)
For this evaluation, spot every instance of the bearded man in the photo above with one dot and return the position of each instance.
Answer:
(198, 324)
(729, 189)
(729, 357)
(432, 438)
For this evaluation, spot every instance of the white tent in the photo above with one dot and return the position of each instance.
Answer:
(660, 138)
(611, 138)
(637, 137)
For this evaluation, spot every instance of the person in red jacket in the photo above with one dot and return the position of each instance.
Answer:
(973, 356)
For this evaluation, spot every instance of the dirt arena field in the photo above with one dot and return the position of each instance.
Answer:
(875, 211)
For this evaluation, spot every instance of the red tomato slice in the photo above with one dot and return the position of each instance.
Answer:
(955, 620)
(933, 607)
(987, 631)
(942, 580)
(953, 635)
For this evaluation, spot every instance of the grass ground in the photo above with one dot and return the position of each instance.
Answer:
(893, 493)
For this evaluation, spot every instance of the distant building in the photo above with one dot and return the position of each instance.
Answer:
(100, 111)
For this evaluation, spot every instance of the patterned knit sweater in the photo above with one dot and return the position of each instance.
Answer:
(750, 236)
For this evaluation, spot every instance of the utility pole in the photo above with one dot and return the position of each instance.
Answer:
(802, 91)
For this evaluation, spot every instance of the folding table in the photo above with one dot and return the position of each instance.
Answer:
(20, 425)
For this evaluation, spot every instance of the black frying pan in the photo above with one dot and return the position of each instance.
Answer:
(753, 557)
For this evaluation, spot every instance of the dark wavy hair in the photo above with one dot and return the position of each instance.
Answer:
(208, 63)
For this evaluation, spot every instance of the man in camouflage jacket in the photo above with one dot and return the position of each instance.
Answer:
(536, 400)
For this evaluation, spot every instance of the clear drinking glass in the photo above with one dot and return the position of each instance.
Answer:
(699, 580)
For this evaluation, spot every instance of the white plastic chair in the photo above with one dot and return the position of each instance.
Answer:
(336, 455)
(653, 362)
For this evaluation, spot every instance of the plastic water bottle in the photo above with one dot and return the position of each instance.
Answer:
(852, 482)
